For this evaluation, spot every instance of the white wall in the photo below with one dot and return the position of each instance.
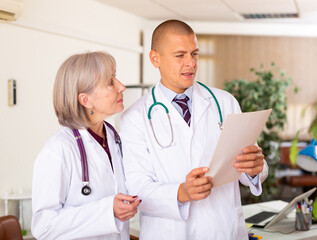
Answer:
(32, 49)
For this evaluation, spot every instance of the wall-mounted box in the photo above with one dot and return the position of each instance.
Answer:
(12, 92)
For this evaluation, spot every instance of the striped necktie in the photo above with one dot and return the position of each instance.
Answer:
(182, 102)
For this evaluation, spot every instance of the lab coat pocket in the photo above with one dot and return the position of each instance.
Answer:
(151, 228)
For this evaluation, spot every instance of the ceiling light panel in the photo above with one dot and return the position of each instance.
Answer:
(199, 10)
(306, 5)
(141, 8)
(262, 6)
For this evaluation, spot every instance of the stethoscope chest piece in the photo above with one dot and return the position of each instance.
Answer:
(86, 190)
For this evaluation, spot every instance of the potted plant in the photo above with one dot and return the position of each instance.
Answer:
(268, 90)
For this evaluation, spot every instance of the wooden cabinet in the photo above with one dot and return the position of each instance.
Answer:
(306, 179)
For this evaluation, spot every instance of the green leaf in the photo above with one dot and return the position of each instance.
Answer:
(313, 128)
(296, 90)
(314, 212)
(294, 150)
(282, 73)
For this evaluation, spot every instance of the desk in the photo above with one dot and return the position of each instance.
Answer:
(251, 209)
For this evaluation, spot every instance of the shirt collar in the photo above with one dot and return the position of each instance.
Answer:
(170, 95)
(99, 139)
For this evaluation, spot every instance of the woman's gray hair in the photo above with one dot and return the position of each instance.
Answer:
(80, 73)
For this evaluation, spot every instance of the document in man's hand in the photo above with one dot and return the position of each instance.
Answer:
(239, 131)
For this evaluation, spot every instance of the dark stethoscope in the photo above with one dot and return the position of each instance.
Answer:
(86, 190)
(220, 123)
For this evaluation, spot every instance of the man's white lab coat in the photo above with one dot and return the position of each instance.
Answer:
(154, 173)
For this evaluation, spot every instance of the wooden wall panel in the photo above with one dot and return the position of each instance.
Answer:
(235, 55)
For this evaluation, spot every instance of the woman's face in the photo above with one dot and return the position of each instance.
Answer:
(107, 98)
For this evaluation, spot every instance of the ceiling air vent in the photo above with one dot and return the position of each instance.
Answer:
(269, 15)
(10, 10)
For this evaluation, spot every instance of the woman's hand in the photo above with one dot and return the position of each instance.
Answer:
(125, 206)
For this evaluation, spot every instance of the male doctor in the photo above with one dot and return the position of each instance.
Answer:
(178, 200)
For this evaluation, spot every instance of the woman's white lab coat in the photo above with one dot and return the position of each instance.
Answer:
(154, 174)
(60, 211)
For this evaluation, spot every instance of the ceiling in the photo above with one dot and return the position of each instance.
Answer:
(221, 10)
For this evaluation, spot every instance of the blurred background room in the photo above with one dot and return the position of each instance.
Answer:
(262, 51)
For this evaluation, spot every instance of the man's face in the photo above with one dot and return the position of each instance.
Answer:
(177, 61)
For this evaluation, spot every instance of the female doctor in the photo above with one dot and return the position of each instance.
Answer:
(78, 184)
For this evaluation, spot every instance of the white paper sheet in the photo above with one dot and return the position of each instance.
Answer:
(239, 131)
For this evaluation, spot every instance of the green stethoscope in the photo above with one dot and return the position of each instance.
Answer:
(169, 118)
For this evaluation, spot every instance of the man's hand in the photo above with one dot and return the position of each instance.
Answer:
(196, 187)
(125, 206)
(251, 161)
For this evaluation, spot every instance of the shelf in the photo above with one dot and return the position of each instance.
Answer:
(18, 196)
(139, 86)
(28, 235)
(144, 87)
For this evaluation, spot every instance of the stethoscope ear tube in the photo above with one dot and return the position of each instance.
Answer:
(86, 190)
(167, 112)
(172, 132)
(116, 137)
(218, 106)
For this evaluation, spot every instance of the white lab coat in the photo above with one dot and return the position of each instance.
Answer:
(60, 211)
(154, 174)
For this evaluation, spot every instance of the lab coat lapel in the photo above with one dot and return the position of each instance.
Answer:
(116, 160)
(98, 152)
(200, 104)
(182, 134)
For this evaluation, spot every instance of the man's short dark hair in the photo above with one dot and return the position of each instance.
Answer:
(169, 26)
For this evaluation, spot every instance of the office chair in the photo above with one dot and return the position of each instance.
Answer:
(10, 228)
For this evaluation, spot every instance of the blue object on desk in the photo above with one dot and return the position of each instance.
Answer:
(307, 157)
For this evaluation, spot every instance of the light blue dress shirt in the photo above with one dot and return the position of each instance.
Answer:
(170, 95)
